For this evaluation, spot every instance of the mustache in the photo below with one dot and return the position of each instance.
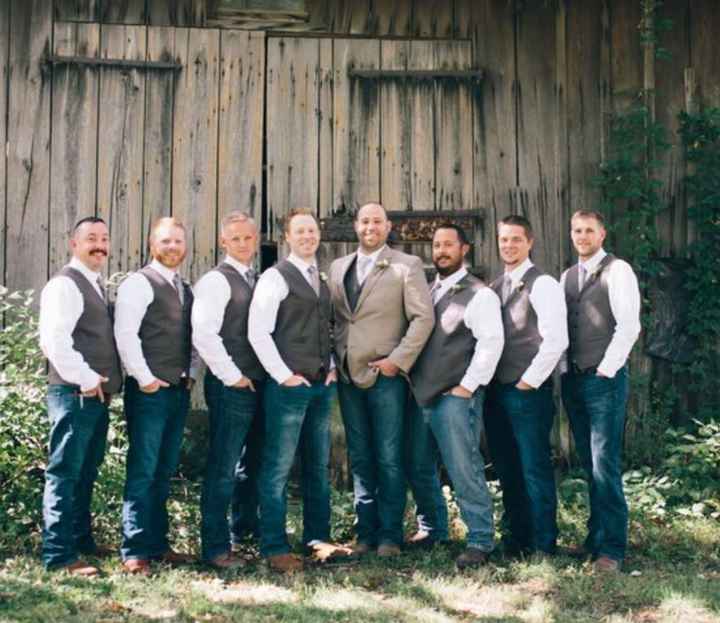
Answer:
(102, 251)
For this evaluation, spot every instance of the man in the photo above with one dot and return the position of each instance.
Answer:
(383, 317)
(520, 408)
(603, 301)
(76, 335)
(448, 383)
(233, 381)
(152, 329)
(289, 329)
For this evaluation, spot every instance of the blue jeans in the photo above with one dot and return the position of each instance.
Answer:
(231, 412)
(155, 424)
(245, 506)
(518, 425)
(373, 420)
(78, 432)
(596, 409)
(451, 427)
(295, 418)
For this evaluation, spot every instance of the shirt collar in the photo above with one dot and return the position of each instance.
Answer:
(373, 256)
(451, 280)
(167, 273)
(299, 263)
(591, 264)
(90, 275)
(238, 266)
(518, 273)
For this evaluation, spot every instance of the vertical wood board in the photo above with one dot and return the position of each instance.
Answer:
(433, 18)
(77, 10)
(125, 11)
(4, 96)
(325, 127)
(704, 28)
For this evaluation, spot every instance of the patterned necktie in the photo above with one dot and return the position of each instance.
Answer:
(363, 268)
(582, 276)
(506, 289)
(435, 292)
(314, 280)
(251, 277)
(177, 282)
(101, 287)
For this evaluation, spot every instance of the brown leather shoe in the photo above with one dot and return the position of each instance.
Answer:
(226, 561)
(82, 569)
(329, 553)
(172, 557)
(137, 566)
(605, 564)
(285, 563)
(361, 549)
(388, 550)
(471, 557)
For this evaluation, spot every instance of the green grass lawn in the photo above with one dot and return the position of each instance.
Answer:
(672, 574)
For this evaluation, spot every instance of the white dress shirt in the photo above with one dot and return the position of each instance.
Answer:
(61, 305)
(212, 295)
(270, 291)
(133, 298)
(548, 301)
(483, 317)
(372, 257)
(624, 295)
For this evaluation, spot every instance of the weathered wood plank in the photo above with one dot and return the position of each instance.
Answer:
(76, 10)
(74, 136)
(627, 57)
(325, 122)
(28, 162)
(393, 18)
(240, 136)
(351, 17)
(195, 145)
(120, 158)
(4, 47)
(125, 11)
(453, 129)
(704, 24)
(292, 128)
(357, 125)
(159, 98)
(432, 18)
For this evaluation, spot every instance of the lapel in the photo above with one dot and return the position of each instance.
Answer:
(347, 262)
(305, 282)
(516, 290)
(373, 277)
(453, 290)
(592, 277)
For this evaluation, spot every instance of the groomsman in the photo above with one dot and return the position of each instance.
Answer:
(76, 335)
(233, 381)
(289, 328)
(448, 383)
(152, 329)
(603, 301)
(383, 317)
(520, 408)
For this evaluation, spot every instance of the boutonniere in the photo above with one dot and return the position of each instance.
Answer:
(382, 264)
(456, 288)
(595, 273)
(520, 286)
(323, 276)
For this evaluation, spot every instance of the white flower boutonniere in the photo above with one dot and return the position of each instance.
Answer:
(520, 286)
(382, 264)
(456, 288)
(323, 276)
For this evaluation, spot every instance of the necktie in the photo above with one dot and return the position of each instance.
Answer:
(101, 287)
(506, 289)
(251, 277)
(177, 282)
(582, 276)
(363, 267)
(435, 292)
(314, 280)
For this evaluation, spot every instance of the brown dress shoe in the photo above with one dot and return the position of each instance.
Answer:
(137, 566)
(605, 564)
(82, 568)
(329, 553)
(172, 557)
(388, 550)
(471, 557)
(285, 563)
(226, 561)
(361, 549)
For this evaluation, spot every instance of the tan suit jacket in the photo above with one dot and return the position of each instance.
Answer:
(393, 317)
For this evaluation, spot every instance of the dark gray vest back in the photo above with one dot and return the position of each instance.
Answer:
(591, 323)
(352, 288)
(449, 350)
(234, 329)
(522, 338)
(302, 328)
(93, 335)
(165, 331)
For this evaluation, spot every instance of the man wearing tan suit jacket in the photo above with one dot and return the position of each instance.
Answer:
(383, 317)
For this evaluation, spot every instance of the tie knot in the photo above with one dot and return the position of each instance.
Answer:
(251, 276)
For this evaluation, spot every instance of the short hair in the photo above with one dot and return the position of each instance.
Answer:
(92, 220)
(589, 214)
(370, 203)
(236, 216)
(462, 236)
(297, 212)
(518, 219)
(162, 222)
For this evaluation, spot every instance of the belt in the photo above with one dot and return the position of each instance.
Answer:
(578, 370)
(320, 375)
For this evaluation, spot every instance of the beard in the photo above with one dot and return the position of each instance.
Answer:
(169, 260)
(447, 269)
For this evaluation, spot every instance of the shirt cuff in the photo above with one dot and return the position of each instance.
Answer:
(470, 384)
(144, 378)
(282, 375)
(532, 382)
(607, 370)
(90, 381)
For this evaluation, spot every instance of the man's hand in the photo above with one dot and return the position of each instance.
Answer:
(385, 366)
(601, 375)
(244, 383)
(331, 377)
(151, 388)
(460, 392)
(97, 391)
(296, 380)
(523, 386)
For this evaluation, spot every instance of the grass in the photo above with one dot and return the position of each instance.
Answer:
(672, 574)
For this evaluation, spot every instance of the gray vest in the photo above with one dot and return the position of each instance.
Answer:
(522, 338)
(234, 329)
(449, 350)
(93, 335)
(591, 323)
(352, 288)
(165, 331)
(302, 328)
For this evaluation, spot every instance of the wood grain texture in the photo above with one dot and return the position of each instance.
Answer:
(326, 183)
(240, 135)
(74, 137)
(76, 10)
(292, 128)
(704, 24)
(158, 122)
(28, 161)
(393, 18)
(195, 139)
(627, 57)
(432, 18)
(120, 158)
(125, 11)
(4, 46)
